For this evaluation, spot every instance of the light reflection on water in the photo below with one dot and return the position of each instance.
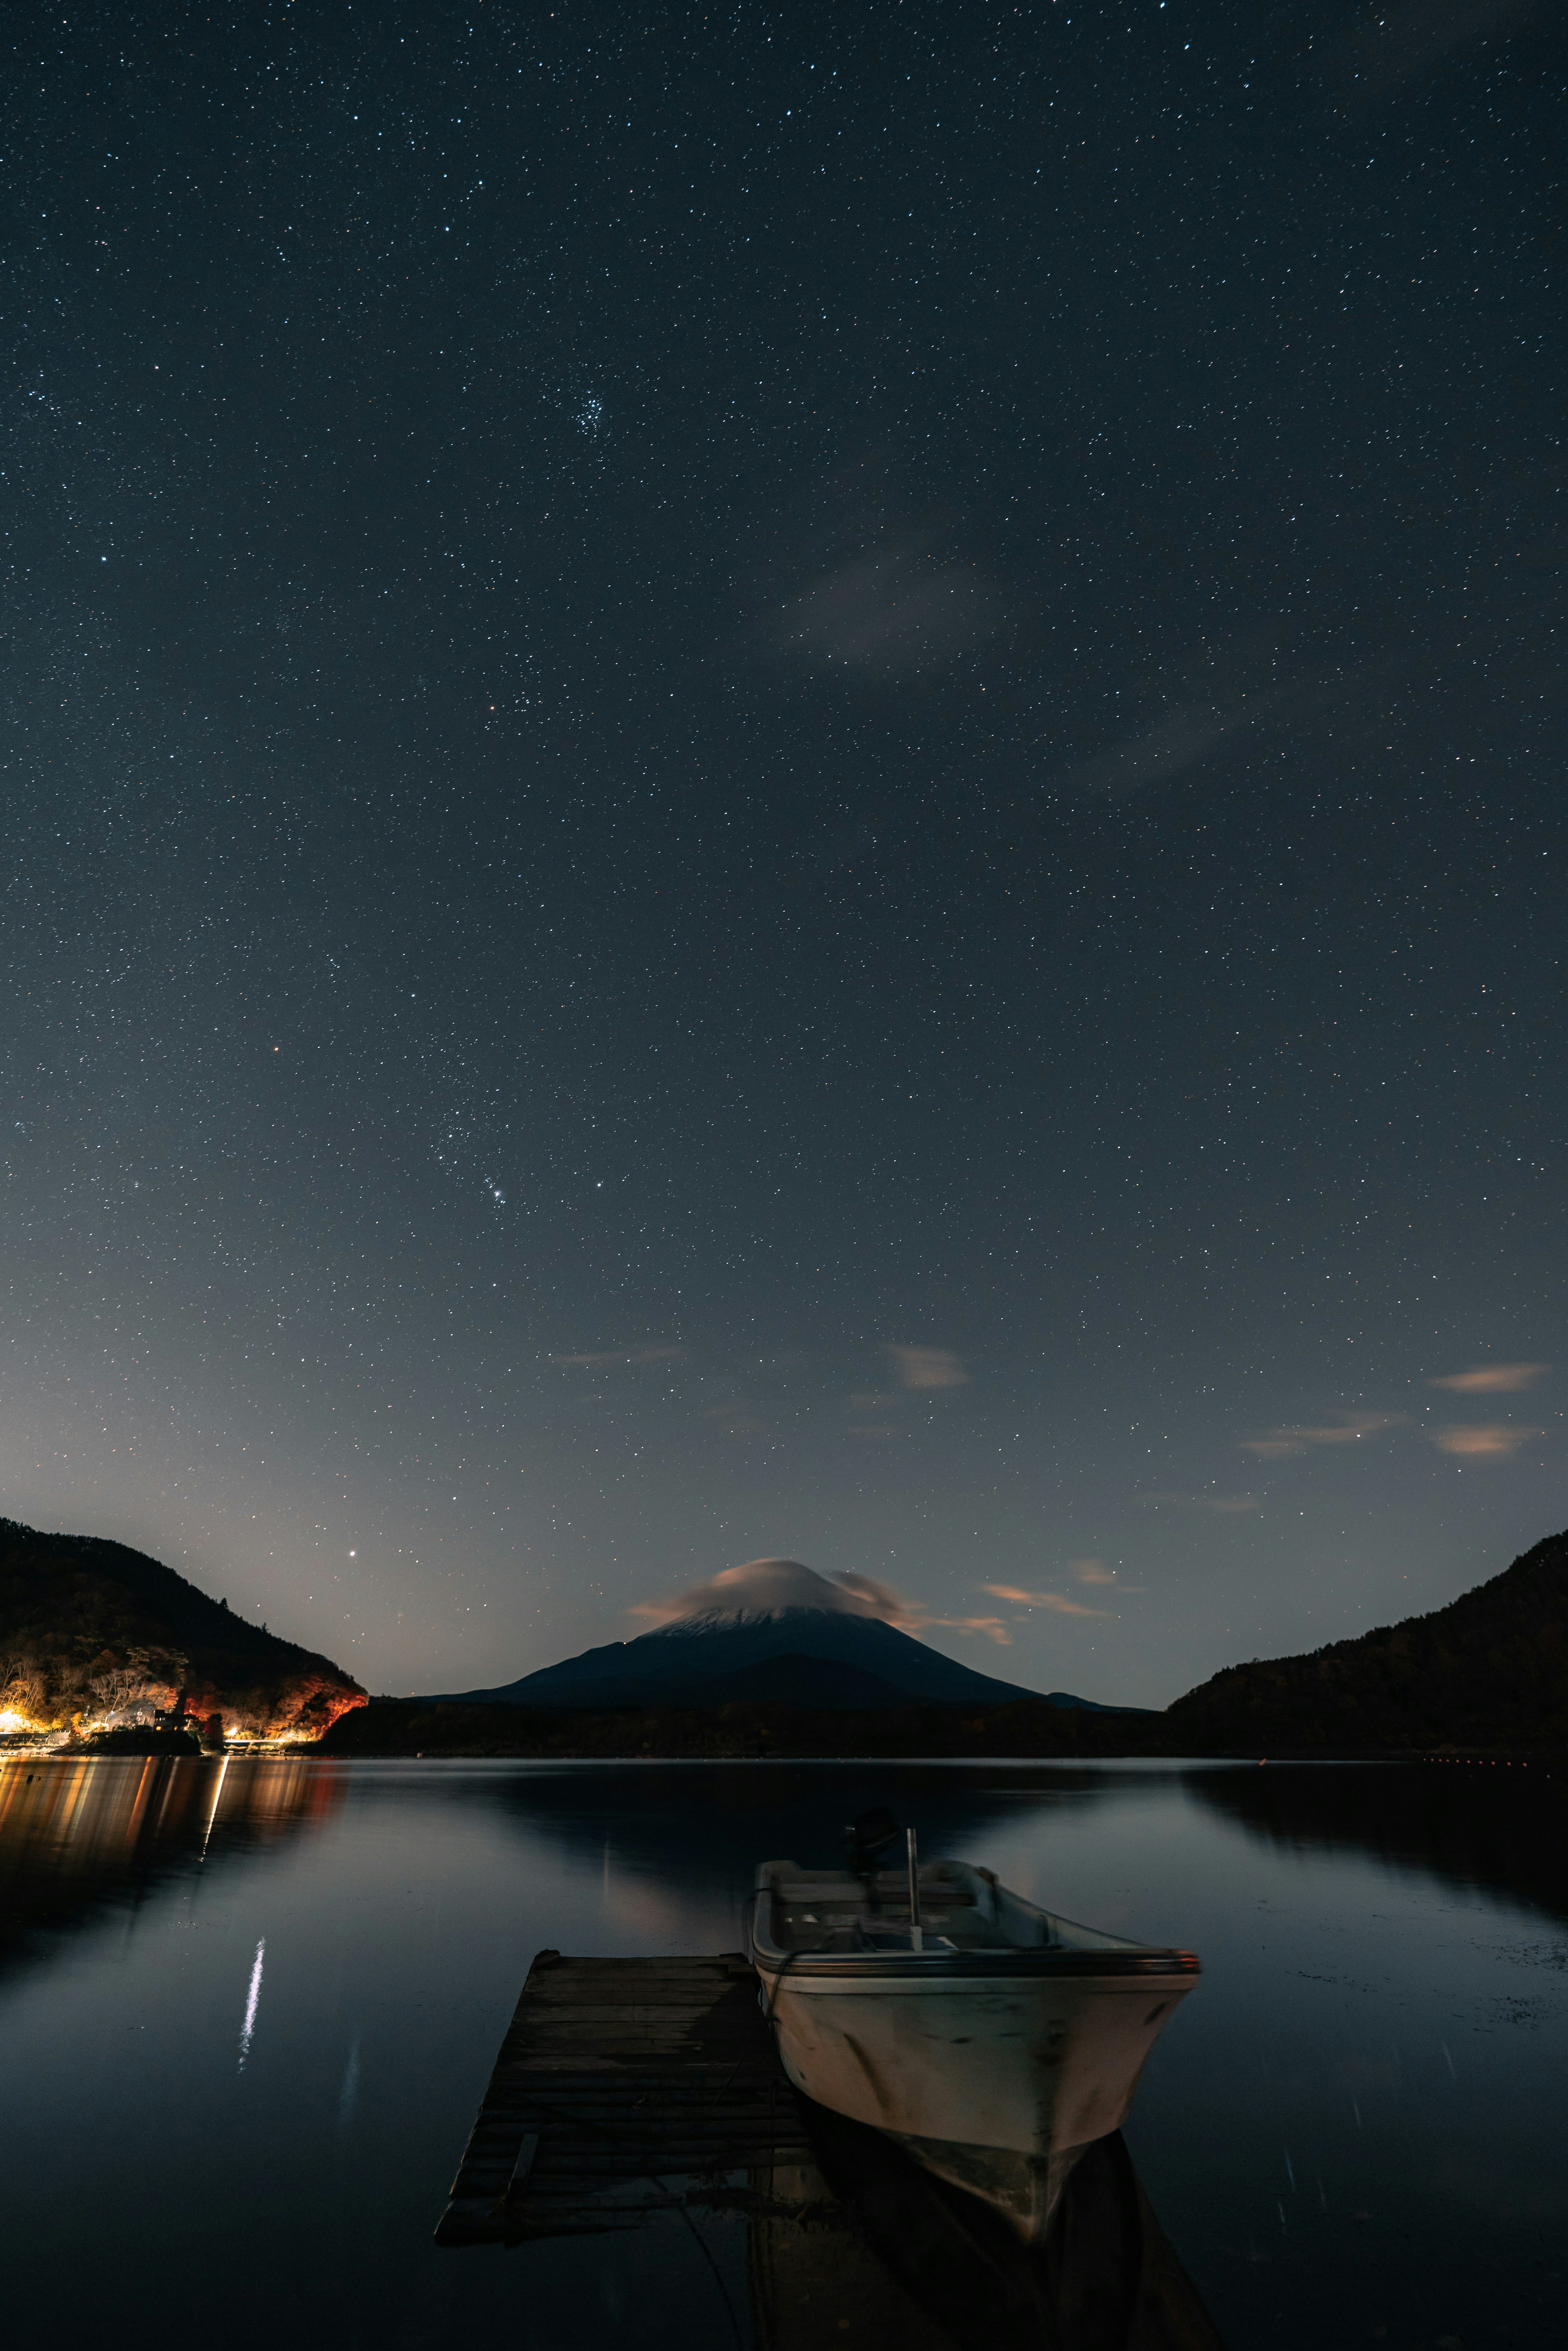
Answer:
(1352, 2131)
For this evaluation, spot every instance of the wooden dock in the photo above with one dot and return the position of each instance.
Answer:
(630, 2089)
(624, 2085)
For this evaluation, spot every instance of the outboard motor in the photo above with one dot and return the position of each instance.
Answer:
(868, 1841)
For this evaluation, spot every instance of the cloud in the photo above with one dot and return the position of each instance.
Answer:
(871, 1597)
(1493, 1379)
(1478, 1441)
(1058, 1601)
(911, 1615)
(1218, 698)
(762, 1587)
(1092, 1571)
(875, 1405)
(1165, 748)
(1401, 39)
(993, 1627)
(900, 607)
(757, 1587)
(1226, 1504)
(735, 1419)
(621, 1356)
(1279, 1444)
(928, 1367)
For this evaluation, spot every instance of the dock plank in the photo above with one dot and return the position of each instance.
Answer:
(641, 2084)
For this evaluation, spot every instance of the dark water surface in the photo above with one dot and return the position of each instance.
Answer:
(247, 2012)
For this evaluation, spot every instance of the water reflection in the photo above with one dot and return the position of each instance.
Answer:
(676, 1826)
(1352, 2134)
(82, 1837)
(659, 1833)
(920, 2266)
(1477, 1828)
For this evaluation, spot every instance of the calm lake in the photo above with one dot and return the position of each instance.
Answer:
(247, 2010)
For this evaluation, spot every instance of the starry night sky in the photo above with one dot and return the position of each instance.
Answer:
(786, 781)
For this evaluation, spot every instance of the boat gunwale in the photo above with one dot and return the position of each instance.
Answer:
(911, 1970)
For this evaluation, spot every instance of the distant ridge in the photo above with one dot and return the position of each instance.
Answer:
(777, 1632)
(1487, 1673)
(1490, 1668)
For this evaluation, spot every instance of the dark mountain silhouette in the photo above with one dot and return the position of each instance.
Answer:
(799, 1680)
(701, 1662)
(87, 1624)
(1024, 1728)
(775, 1632)
(1490, 1669)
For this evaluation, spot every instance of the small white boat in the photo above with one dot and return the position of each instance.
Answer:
(993, 2041)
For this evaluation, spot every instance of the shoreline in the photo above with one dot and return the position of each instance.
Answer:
(1542, 1759)
(404, 1729)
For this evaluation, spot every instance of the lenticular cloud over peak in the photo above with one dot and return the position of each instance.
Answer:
(765, 1587)
(760, 1588)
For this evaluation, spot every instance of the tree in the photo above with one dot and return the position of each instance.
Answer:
(24, 1686)
(138, 1681)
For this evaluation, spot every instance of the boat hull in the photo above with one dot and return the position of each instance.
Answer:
(996, 2082)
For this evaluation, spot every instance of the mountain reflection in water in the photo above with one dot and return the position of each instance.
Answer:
(676, 1828)
(1351, 2133)
(1479, 1827)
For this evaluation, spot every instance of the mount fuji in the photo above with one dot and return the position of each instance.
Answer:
(771, 1629)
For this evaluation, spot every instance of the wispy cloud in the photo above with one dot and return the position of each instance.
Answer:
(995, 1628)
(1057, 1601)
(1493, 1441)
(1228, 1505)
(1218, 697)
(906, 605)
(1091, 1571)
(1493, 1379)
(735, 1419)
(1402, 39)
(1279, 1444)
(928, 1367)
(880, 1599)
(612, 1357)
